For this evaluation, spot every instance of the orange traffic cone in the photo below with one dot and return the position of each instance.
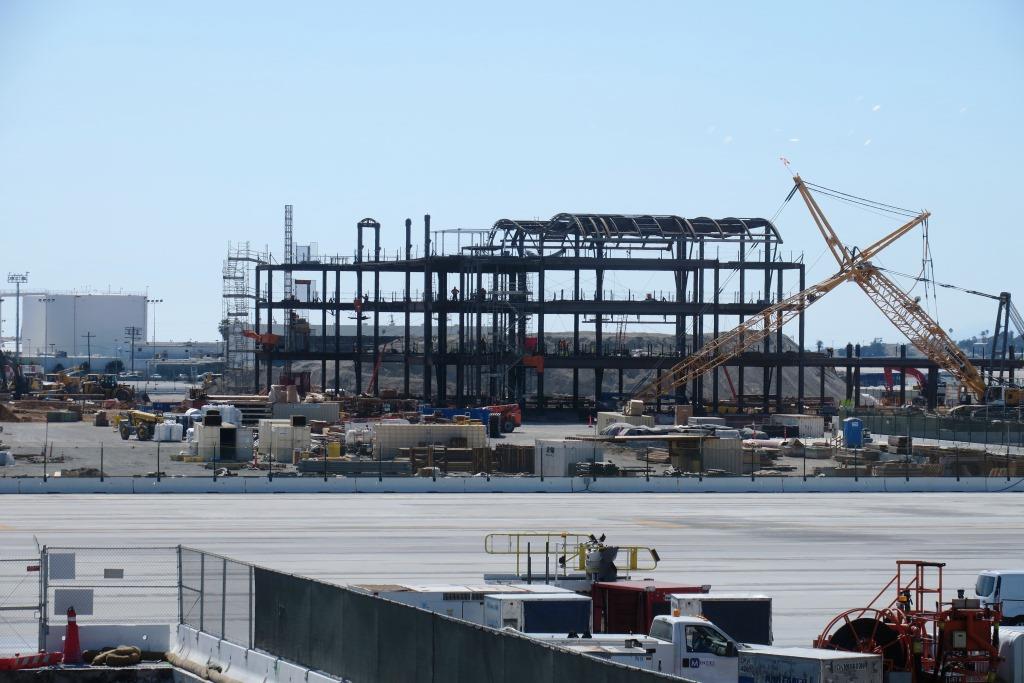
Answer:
(72, 647)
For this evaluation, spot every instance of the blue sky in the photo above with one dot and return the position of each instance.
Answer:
(137, 139)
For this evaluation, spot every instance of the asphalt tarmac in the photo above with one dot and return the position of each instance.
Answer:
(815, 554)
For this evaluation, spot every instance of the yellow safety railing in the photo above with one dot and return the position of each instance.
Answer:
(571, 545)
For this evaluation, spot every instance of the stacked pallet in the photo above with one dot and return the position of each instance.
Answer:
(447, 459)
(505, 459)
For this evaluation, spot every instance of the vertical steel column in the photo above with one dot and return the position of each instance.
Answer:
(576, 325)
(856, 378)
(323, 330)
(256, 348)
(540, 319)
(376, 304)
(778, 345)
(698, 325)
(270, 326)
(903, 376)
(740, 379)
(478, 301)
(428, 295)
(766, 386)
(522, 295)
(337, 330)
(407, 309)
(492, 382)
(358, 309)
(598, 330)
(714, 332)
(680, 280)
(801, 343)
(849, 373)
(441, 364)
(460, 364)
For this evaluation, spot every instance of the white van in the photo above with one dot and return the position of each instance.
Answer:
(1004, 586)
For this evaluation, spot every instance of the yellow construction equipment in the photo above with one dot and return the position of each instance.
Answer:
(854, 265)
(137, 422)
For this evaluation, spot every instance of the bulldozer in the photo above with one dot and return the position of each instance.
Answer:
(106, 386)
(137, 422)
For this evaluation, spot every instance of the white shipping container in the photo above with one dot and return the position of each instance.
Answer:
(605, 419)
(266, 427)
(285, 440)
(207, 439)
(810, 426)
(556, 458)
(808, 665)
(459, 601)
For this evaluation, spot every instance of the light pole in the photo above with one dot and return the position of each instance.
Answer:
(46, 301)
(18, 279)
(154, 302)
(132, 333)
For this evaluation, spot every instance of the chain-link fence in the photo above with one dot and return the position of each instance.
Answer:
(136, 585)
(20, 607)
(217, 596)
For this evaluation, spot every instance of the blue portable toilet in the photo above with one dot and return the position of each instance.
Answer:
(853, 432)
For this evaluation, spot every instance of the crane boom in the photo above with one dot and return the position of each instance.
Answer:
(919, 327)
(748, 334)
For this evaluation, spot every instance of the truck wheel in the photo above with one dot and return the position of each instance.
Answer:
(508, 427)
(124, 430)
(144, 432)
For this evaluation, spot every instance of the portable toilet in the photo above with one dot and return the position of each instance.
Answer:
(853, 432)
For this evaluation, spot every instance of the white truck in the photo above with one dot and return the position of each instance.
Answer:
(1006, 586)
(695, 649)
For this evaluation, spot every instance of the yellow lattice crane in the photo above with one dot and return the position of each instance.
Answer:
(854, 265)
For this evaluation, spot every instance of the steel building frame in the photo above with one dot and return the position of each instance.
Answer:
(496, 299)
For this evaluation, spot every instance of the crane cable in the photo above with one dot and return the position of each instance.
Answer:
(646, 378)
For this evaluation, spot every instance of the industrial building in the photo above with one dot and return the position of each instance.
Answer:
(74, 324)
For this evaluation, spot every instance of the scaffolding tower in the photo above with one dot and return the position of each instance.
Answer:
(239, 302)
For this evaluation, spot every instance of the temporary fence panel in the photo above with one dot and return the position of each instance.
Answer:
(20, 606)
(216, 596)
(115, 585)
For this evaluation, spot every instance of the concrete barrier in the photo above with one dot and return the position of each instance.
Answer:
(663, 485)
(241, 663)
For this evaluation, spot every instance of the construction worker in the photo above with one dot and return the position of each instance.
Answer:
(455, 293)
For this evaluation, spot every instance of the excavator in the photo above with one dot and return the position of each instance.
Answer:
(855, 265)
(889, 397)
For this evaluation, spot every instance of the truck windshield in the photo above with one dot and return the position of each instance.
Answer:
(985, 585)
(706, 639)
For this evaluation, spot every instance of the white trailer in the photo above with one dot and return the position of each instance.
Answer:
(563, 612)
(808, 665)
(456, 600)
